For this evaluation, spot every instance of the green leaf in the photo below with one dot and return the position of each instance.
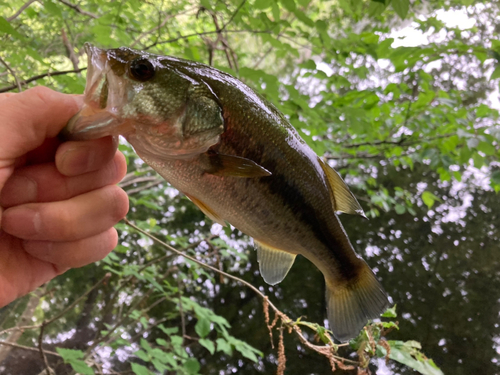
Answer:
(75, 359)
(70, 354)
(408, 354)
(289, 5)
(390, 312)
(192, 366)
(202, 327)
(5, 27)
(52, 8)
(262, 4)
(208, 344)
(487, 148)
(140, 369)
(168, 331)
(400, 209)
(496, 73)
(428, 198)
(495, 177)
(390, 325)
(142, 355)
(206, 4)
(401, 7)
(224, 346)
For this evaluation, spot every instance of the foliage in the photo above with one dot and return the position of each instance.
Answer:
(405, 124)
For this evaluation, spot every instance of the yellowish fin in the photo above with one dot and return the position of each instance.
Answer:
(274, 264)
(233, 166)
(342, 198)
(207, 211)
(351, 305)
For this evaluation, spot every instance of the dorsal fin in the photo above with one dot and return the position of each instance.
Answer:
(274, 264)
(342, 198)
(207, 210)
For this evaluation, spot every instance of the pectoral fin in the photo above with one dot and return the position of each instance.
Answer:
(274, 264)
(233, 166)
(342, 198)
(207, 211)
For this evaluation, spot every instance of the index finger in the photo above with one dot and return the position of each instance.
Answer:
(30, 117)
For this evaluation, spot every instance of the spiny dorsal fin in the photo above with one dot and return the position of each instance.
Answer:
(207, 211)
(274, 264)
(233, 166)
(342, 198)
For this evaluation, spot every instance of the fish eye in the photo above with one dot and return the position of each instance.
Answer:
(142, 70)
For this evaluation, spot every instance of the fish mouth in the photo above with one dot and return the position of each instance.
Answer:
(104, 95)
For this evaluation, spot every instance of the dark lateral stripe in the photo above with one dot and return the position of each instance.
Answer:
(291, 195)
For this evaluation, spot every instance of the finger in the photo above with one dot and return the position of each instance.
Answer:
(75, 253)
(6, 95)
(44, 183)
(28, 119)
(31, 117)
(20, 273)
(74, 219)
(44, 153)
(74, 158)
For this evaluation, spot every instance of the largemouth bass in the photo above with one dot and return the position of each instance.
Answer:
(240, 161)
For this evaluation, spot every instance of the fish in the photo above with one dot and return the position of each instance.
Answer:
(237, 158)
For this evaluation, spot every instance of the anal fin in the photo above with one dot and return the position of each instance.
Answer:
(207, 210)
(342, 198)
(274, 264)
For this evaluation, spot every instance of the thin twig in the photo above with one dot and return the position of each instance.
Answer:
(27, 348)
(124, 183)
(147, 186)
(69, 49)
(233, 15)
(164, 244)
(48, 370)
(40, 76)
(15, 15)
(70, 307)
(181, 311)
(167, 17)
(324, 350)
(206, 33)
(18, 84)
(78, 9)
(22, 328)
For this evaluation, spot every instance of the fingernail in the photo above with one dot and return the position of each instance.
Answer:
(22, 222)
(18, 190)
(76, 161)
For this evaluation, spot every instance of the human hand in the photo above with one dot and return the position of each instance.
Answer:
(59, 200)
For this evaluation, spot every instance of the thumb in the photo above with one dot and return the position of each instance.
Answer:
(27, 119)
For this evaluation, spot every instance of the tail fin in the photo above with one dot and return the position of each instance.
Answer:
(350, 306)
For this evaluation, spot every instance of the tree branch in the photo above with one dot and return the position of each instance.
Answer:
(69, 49)
(15, 15)
(40, 76)
(28, 348)
(327, 350)
(206, 33)
(78, 9)
(167, 17)
(18, 84)
(233, 15)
